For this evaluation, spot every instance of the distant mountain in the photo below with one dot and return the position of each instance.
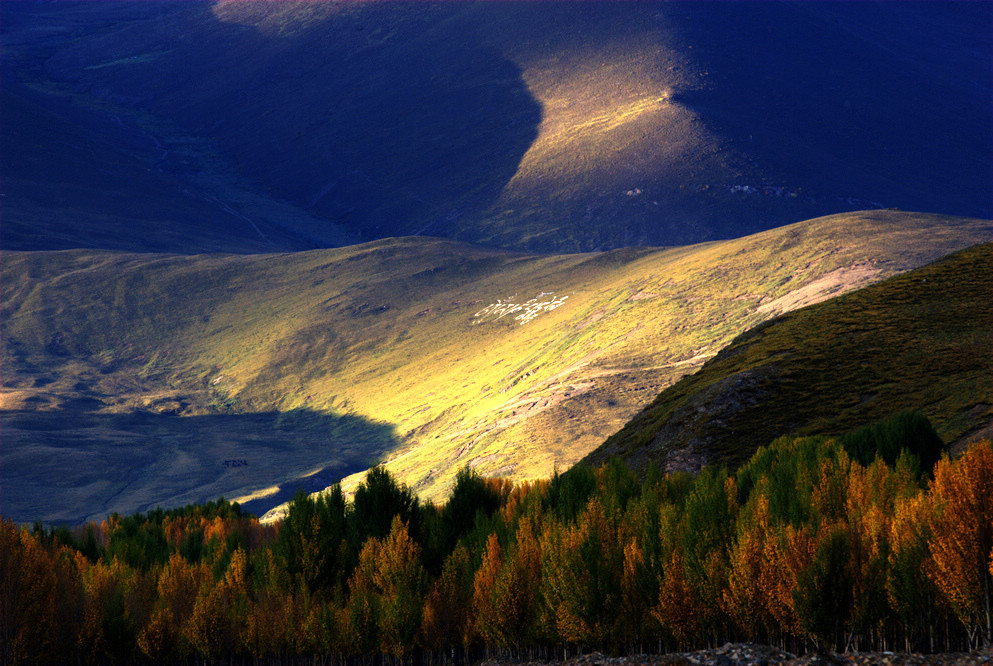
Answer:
(132, 380)
(536, 126)
(918, 341)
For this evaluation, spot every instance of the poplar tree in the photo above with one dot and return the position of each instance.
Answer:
(962, 537)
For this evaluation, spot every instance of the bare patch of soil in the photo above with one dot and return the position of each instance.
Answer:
(827, 286)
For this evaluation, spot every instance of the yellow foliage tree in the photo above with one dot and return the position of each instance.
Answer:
(486, 615)
(506, 590)
(178, 589)
(581, 576)
(679, 609)
(962, 537)
(911, 593)
(744, 599)
(27, 598)
(787, 552)
(388, 589)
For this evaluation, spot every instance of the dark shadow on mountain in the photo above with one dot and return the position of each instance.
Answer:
(380, 117)
(74, 464)
(74, 180)
(851, 104)
(81, 173)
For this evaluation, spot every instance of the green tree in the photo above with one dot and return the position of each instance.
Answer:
(312, 542)
(471, 496)
(378, 500)
(824, 595)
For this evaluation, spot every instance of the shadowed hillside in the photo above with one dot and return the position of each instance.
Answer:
(918, 341)
(443, 354)
(852, 100)
(361, 115)
(538, 126)
(78, 462)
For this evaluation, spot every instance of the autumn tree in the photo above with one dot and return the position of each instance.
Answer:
(486, 614)
(701, 524)
(266, 629)
(28, 584)
(448, 604)
(639, 586)
(911, 592)
(962, 537)
(107, 632)
(506, 590)
(220, 612)
(745, 597)
(387, 591)
(582, 566)
(179, 586)
(872, 494)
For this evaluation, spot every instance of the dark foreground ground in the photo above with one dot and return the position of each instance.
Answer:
(747, 654)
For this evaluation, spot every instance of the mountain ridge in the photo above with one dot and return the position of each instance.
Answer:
(543, 127)
(919, 341)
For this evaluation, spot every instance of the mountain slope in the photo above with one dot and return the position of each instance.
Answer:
(918, 341)
(538, 126)
(174, 370)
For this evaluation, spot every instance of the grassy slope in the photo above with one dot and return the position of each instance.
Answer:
(324, 361)
(921, 340)
(538, 126)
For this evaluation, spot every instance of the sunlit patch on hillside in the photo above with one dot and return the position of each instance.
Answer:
(258, 494)
(611, 118)
(277, 19)
(590, 121)
(613, 133)
(833, 284)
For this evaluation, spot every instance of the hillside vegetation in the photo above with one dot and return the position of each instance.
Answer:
(918, 341)
(248, 376)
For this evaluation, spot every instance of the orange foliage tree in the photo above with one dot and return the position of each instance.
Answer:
(962, 537)
(28, 584)
(506, 597)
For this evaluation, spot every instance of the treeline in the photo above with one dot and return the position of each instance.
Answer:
(803, 547)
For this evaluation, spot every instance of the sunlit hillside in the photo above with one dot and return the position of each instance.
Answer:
(247, 376)
(920, 341)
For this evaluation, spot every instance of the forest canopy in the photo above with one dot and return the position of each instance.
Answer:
(813, 543)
